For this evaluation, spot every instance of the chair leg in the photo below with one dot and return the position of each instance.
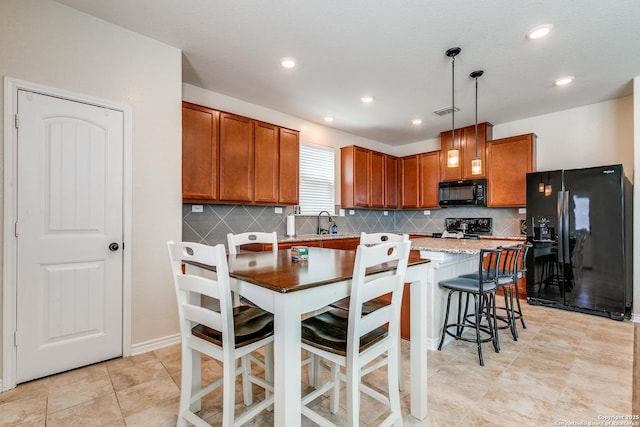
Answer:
(393, 370)
(229, 394)
(186, 385)
(514, 329)
(335, 390)
(400, 372)
(268, 366)
(446, 321)
(478, 317)
(491, 307)
(519, 307)
(353, 393)
(246, 384)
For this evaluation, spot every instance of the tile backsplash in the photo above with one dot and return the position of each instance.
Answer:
(214, 222)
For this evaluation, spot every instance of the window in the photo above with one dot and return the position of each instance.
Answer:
(316, 179)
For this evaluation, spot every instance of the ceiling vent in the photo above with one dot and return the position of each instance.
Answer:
(446, 110)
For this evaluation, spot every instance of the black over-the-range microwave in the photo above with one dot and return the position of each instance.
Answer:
(471, 192)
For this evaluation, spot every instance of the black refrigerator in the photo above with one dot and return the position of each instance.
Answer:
(579, 223)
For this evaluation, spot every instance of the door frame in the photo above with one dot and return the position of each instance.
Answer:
(9, 244)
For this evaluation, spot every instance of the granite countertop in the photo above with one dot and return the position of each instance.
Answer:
(427, 243)
(459, 246)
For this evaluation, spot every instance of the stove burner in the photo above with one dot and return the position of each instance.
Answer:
(469, 225)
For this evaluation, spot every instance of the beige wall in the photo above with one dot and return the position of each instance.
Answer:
(50, 44)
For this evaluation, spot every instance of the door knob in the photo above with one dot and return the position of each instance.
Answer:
(113, 246)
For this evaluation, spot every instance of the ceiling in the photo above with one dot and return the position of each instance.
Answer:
(395, 51)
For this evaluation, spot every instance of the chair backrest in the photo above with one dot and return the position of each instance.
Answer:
(375, 238)
(522, 265)
(489, 267)
(365, 288)
(508, 265)
(235, 241)
(190, 288)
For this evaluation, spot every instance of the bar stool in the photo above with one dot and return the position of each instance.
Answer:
(483, 291)
(521, 272)
(506, 282)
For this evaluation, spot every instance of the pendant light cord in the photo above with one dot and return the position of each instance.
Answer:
(476, 117)
(453, 106)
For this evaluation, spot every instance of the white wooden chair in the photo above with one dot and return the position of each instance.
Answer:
(374, 239)
(236, 241)
(358, 342)
(226, 335)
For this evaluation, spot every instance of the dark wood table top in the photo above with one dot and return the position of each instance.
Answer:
(277, 272)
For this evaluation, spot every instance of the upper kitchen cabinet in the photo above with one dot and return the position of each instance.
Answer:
(391, 173)
(236, 154)
(229, 158)
(465, 142)
(289, 167)
(410, 182)
(266, 162)
(368, 179)
(200, 145)
(429, 178)
(508, 162)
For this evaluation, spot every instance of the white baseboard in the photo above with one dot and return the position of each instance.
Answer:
(635, 318)
(156, 344)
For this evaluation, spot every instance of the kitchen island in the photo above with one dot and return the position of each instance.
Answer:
(449, 258)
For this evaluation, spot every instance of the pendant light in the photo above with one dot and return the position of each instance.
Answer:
(453, 154)
(476, 163)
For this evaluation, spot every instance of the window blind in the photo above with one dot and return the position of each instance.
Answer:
(316, 179)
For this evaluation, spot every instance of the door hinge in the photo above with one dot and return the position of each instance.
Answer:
(17, 121)
(15, 338)
(16, 230)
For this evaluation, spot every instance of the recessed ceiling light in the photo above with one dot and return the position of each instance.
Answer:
(288, 63)
(367, 99)
(328, 119)
(564, 81)
(416, 121)
(539, 31)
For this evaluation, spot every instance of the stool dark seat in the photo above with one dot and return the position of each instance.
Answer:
(482, 289)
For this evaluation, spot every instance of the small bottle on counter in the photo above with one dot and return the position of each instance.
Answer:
(334, 228)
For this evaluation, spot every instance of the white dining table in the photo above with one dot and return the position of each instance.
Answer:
(291, 289)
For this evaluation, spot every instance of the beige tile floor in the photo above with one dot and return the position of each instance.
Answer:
(566, 367)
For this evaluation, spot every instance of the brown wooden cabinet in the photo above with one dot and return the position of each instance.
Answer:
(465, 142)
(391, 182)
(289, 167)
(228, 158)
(409, 182)
(236, 154)
(368, 179)
(200, 143)
(266, 162)
(508, 162)
(377, 180)
(429, 179)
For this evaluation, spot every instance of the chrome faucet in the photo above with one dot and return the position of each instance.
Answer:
(324, 230)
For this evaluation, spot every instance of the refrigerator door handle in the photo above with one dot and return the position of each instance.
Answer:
(560, 236)
(565, 227)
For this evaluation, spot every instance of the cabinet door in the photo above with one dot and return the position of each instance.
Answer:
(508, 162)
(266, 176)
(453, 173)
(361, 174)
(468, 140)
(410, 183)
(236, 154)
(345, 244)
(377, 180)
(391, 182)
(199, 152)
(429, 179)
(289, 166)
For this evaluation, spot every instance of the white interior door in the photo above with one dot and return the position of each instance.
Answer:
(69, 210)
